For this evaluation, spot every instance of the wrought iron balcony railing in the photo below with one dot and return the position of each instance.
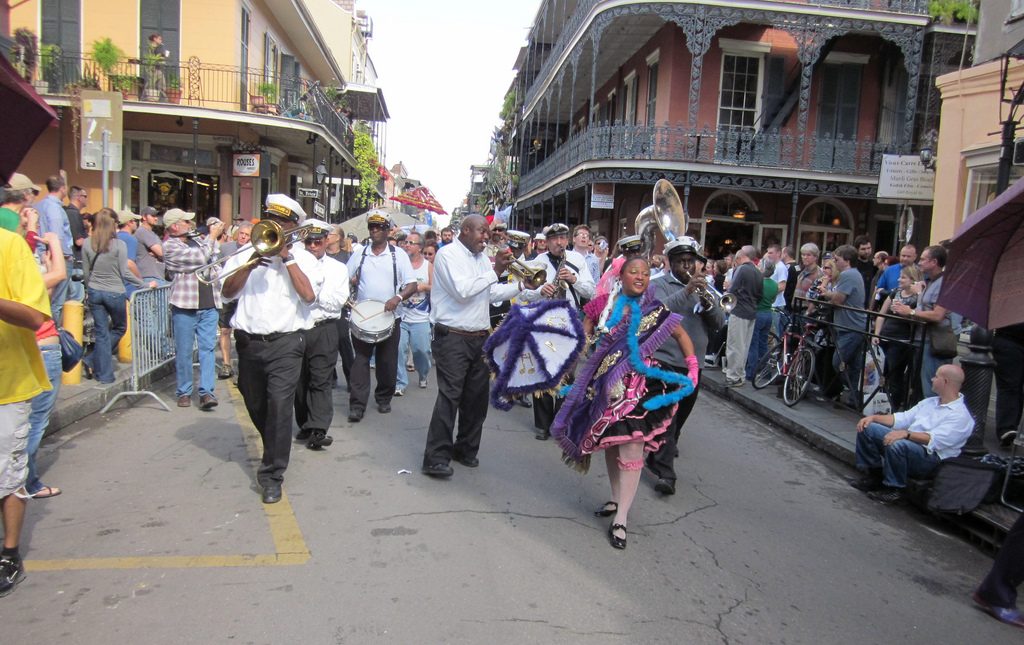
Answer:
(584, 7)
(679, 143)
(198, 84)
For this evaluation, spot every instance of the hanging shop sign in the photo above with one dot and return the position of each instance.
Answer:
(602, 196)
(904, 179)
(245, 165)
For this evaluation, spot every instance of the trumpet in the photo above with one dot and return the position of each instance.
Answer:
(267, 237)
(709, 296)
(532, 277)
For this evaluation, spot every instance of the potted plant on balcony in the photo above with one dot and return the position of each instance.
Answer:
(950, 11)
(127, 85)
(173, 90)
(153, 76)
(50, 66)
(265, 99)
(106, 55)
(25, 53)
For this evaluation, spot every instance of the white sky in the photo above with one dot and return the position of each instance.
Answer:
(444, 67)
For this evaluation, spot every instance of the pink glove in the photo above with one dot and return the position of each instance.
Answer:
(693, 369)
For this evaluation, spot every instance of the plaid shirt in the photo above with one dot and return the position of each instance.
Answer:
(181, 260)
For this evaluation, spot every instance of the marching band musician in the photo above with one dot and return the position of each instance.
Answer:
(377, 272)
(518, 241)
(194, 305)
(274, 295)
(465, 283)
(565, 270)
(677, 289)
(314, 409)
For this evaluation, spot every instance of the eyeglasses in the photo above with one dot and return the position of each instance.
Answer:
(315, 240)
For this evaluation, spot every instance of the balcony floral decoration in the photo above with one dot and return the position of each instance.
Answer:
(950, 11)
(25, 53)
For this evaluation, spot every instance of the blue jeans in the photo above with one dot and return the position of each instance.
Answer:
(110, 321)
(199, 325)
(929, 365)
(39, 417)
(849, 350)
(898, 461)
(417, 334)
(758, 342)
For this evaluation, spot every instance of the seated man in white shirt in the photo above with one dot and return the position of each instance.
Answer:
(894, 447)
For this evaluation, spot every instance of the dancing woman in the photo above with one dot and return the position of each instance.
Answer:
(623, 400)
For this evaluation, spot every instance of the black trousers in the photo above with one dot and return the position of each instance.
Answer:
(462, 382)
(345, 348)
(268, 372)
(1009, 382)
(386, 353)
(662, 462)
(1000, 585)
(545, 408)
(314, 409)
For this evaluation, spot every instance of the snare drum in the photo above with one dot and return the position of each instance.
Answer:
(370, 323)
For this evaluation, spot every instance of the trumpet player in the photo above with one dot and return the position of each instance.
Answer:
(194, 305)
(684, 290)
(567, 277)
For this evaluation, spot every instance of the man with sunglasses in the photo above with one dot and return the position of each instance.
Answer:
(314, 409)
(379, 273)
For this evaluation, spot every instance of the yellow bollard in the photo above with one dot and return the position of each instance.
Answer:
(124, 348)
(74, 315)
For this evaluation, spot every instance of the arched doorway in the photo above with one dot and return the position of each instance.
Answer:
(826, 222)
(724, 227)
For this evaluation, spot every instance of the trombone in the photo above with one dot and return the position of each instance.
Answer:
(267, 238)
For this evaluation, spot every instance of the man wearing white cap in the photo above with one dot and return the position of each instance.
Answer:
(381, 273)
(194, 305)
(314, 409)
(274, 294)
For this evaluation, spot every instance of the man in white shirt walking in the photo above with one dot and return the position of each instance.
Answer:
(893, 447)
(465, 283)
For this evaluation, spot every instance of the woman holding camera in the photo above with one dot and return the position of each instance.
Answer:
(105, 260)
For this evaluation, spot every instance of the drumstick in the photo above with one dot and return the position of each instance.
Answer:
(382, 311)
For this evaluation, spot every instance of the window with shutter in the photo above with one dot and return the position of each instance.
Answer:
(62, 25)
(161, 17)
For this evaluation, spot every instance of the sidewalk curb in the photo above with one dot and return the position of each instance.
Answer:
(77, 402)
(813, 437)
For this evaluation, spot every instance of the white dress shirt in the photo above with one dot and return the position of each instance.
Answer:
(584, 286)
(268, 302)
(948, 425)
(377, 280)
(333, 292)
(464, 286)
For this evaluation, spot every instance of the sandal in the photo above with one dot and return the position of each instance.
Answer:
(617, 542)
(607, 509)
(46, 491)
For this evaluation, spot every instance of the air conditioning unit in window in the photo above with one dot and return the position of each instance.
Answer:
(1018, 152)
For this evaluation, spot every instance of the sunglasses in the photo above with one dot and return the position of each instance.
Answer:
(315, 240)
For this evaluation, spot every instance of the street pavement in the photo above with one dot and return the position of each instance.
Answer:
(160, 537)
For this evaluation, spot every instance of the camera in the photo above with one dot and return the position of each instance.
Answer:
(77, 273)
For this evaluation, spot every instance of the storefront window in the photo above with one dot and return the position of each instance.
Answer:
(169, 189)
(982, 186)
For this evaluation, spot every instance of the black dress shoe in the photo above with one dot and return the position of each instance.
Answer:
(665, 486)
(303, 435)
(607, 509)
(616, 541)
(355, 416)
(319, 440)
(271, 493)
(438, 470)
(384, 408)
(468, 462)
(542, 435)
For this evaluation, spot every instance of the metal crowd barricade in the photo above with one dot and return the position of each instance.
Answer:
(152, 340)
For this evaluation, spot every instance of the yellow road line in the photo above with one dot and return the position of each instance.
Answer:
(289, 545)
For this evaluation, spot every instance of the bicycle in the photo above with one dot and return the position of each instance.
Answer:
(793, 359)
(769, 367)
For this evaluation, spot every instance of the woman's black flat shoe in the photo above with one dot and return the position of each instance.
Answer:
(607, 509)
(617, 542)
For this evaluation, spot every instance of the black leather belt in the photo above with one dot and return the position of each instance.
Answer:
(266, 338)
(462, 332)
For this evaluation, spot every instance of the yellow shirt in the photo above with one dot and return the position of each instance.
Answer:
(22, 373)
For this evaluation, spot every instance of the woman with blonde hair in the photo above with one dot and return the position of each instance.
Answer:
(105, 261)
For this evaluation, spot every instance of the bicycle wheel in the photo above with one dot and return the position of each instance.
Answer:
(801, 371)
(768, 368)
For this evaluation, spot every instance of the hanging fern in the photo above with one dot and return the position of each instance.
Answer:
(366, 166)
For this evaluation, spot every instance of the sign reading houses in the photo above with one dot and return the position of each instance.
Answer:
(905, 179)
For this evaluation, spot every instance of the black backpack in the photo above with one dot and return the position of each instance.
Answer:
(962, 484)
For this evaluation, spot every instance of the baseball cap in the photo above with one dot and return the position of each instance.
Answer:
(149, 210)
(283, 206)
(124, 216)
(22, 182)
(175, 215)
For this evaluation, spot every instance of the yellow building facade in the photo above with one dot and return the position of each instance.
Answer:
(236, 77)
